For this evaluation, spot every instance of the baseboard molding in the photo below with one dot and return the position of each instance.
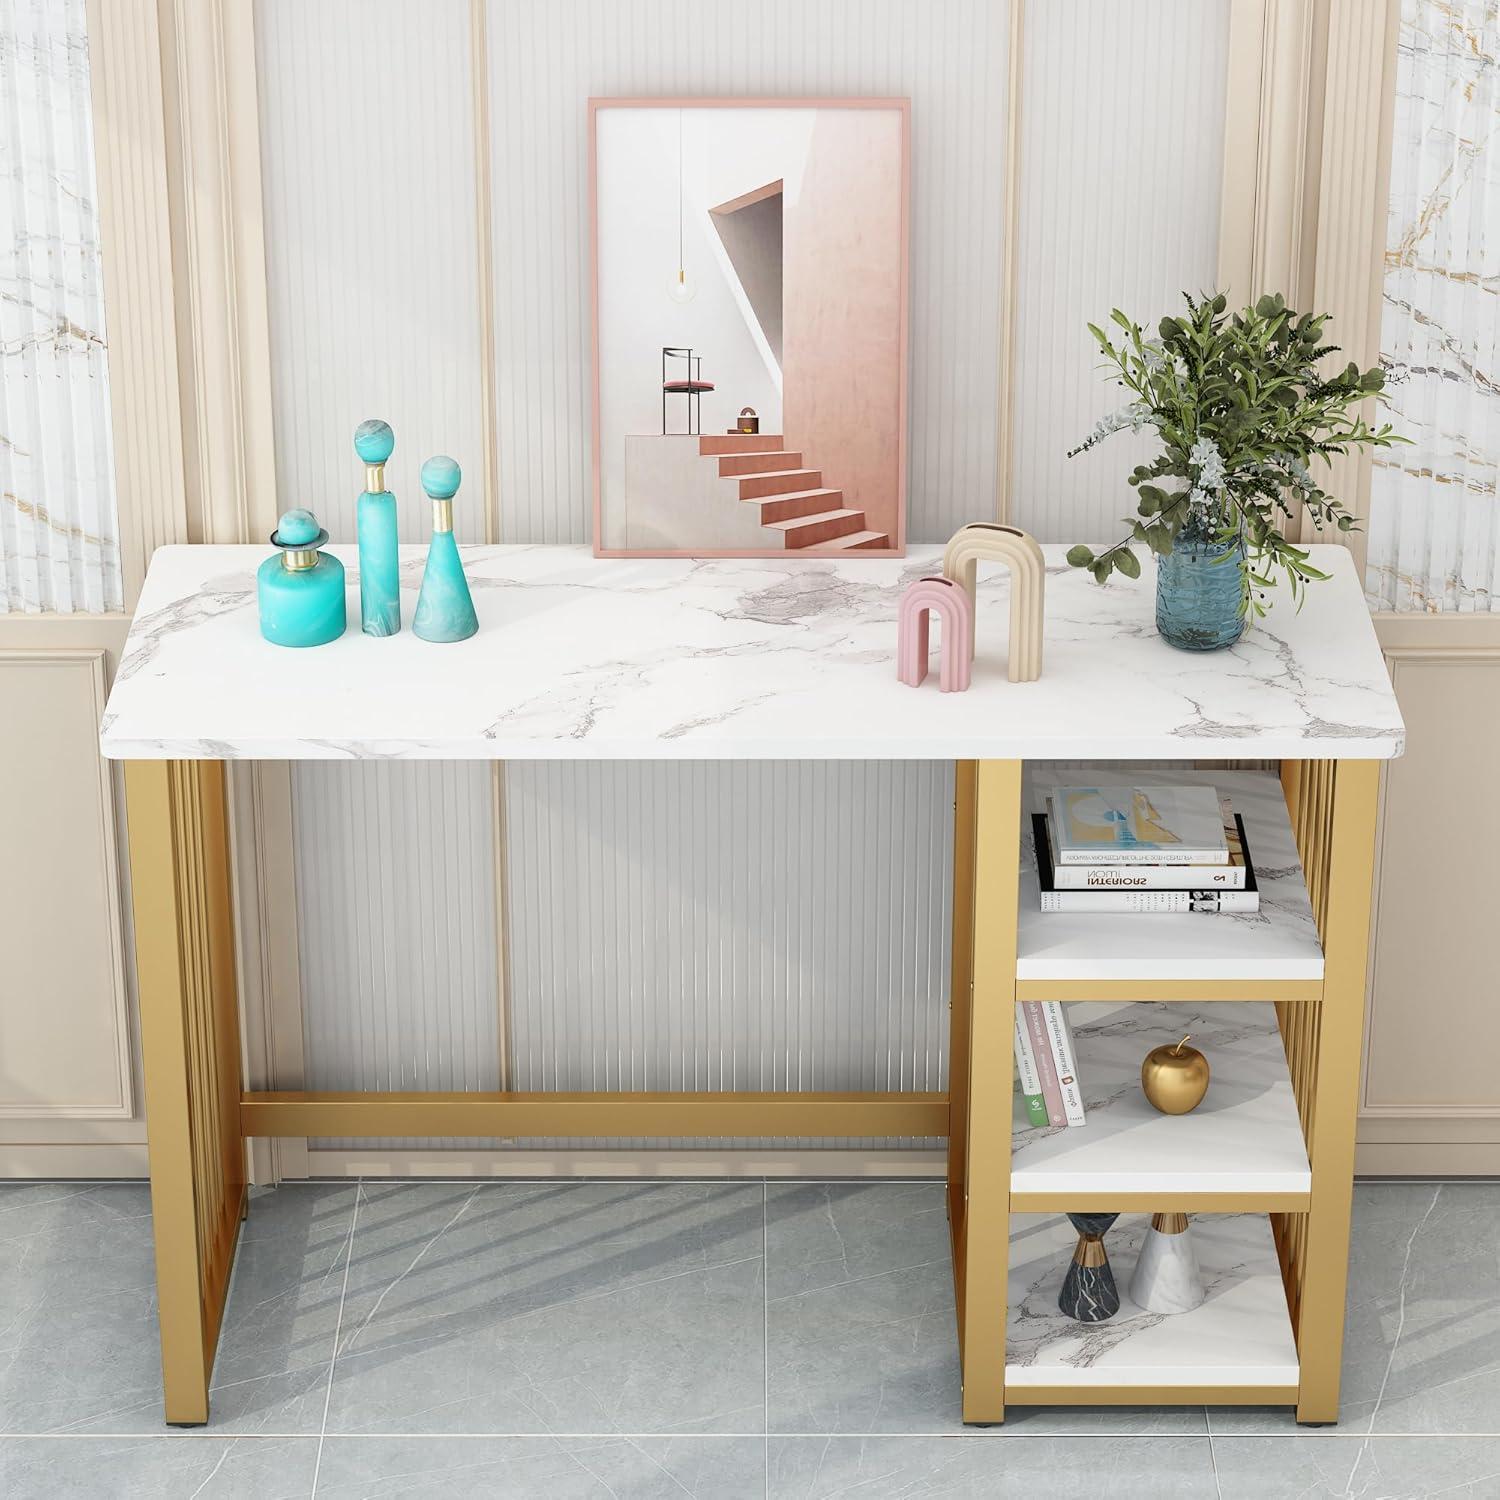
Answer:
(562, 1164)
(1428, 1159)
(69, 1159)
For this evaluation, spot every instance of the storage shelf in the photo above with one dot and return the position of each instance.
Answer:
(1242, 1146)
(1280, 942)
(1238, 1342)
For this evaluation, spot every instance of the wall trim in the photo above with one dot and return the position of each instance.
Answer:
(1354, 174)
(1272, 140)
(94, 659)
(32, 1162)
(1404, 1137)
(135, 232)
(1009, 267)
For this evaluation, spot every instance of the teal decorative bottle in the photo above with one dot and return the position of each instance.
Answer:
(445, 611)
(301, 590)
(375, 522)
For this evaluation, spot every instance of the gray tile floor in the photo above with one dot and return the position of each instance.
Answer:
(715, 1340)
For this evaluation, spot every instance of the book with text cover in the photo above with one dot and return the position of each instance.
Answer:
(1041, 1056)
(1111, 825)
(1031, 1086)
(1064, 1059)
(1125, 899)
(1230, 877)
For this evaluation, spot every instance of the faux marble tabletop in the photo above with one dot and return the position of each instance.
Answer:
(579, 657)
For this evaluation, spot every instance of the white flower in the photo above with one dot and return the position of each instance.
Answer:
(1209, 462)
(1301, 475)
(1134, 416)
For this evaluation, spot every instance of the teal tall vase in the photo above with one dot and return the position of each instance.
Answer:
(445, 610)
(375, 524)
(300, 589)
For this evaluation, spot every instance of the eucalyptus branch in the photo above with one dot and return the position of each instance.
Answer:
(1242, 405)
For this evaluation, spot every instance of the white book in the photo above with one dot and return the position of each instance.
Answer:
(1131, 825)
(1230, 877)
(1227, 903)
(1061, 1041)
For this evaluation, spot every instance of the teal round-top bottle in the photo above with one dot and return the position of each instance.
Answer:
(375, 527)
(445, 609)
(301, 588)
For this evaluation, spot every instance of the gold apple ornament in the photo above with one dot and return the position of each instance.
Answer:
(1175, 1079)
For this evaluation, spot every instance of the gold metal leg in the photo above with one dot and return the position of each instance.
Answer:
(1336, 811)
(986, 854)
(179, 869)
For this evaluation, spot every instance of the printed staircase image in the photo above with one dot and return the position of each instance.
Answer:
(793, 500)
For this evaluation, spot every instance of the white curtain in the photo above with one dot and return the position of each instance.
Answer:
(1434, 512)
(59, 540)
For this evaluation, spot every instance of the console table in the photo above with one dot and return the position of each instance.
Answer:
(579, 658)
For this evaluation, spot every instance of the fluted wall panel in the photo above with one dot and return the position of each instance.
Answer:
(547, 60)
(723, 925)
(396, 920)
(1122, 143)
(372, 267)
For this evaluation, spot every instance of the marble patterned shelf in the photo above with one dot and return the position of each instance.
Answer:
(1244, 1138)
(776, 658)
(1280, 941)
(1240, 1336)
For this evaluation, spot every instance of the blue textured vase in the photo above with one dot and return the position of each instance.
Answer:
(300, 589)
(445, 609)
(1199, 588)
(375, 525)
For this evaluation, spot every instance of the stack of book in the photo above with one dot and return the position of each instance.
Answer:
(1046, 1065)
(1143, 849)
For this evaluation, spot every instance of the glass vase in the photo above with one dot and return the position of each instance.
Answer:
(1199, 586)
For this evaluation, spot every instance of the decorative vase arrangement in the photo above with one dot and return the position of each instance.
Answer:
(375, 525)
(445, 609)
(300, 588)
(1089, 1293)
(1166, 1279)
(1242, 408)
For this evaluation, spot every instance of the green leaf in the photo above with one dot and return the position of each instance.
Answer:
(1128, 563)
(1080, 556)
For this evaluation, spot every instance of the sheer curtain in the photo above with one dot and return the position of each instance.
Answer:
(1434, 528)
(59, 544)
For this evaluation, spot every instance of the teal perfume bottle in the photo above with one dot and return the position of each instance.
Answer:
(445, 611)
(375, 524)
(301, 590)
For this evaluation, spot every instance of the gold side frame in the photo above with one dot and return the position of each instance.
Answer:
(184, 954)
(199, 1115)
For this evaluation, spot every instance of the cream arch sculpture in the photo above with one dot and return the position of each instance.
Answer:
(1028, 582)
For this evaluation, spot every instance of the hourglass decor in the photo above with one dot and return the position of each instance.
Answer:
(986, 541)
(1089, 1293)
(943, 598)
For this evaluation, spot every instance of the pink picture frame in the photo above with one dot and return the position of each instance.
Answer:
(897, 533)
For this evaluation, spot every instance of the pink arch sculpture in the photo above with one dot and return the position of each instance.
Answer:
(950, 603)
